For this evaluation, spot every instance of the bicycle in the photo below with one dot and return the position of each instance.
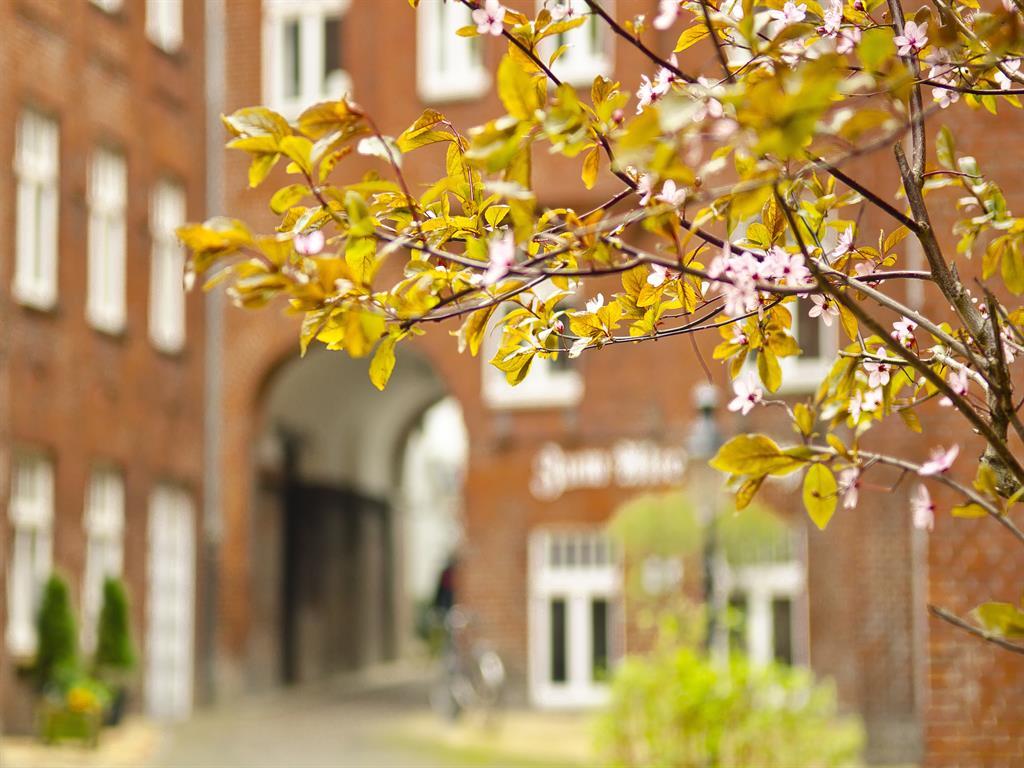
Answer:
(472, 674)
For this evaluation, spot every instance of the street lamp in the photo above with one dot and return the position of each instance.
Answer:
(704, 441)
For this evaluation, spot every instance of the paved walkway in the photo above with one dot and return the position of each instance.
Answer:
(383, 722)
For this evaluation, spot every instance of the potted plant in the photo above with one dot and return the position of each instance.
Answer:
(71, 705)
(115, 653)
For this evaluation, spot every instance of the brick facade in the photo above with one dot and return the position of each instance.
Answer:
(81, 395)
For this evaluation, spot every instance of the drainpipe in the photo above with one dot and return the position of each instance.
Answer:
(215, 43)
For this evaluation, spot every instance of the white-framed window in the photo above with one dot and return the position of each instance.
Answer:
(110, 6)
(104, 545)
(767, 599)
(550, 383)
(818, 345)
(575, 624)
(164, 24)
(448, 67)
(167, 266)
(590, 45)
(31, 515)
(303, 60)
(107, 196)
(170, 603)
(36, 166)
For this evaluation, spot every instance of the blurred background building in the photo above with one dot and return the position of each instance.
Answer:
(278, 520)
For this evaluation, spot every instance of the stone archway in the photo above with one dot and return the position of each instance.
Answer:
(329, 519)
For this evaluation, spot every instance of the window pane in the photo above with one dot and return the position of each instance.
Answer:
(808, 329)
(782, 629)
(292, 55)
(332, 45)
(737, 619)
(559, 662)
(599, 639)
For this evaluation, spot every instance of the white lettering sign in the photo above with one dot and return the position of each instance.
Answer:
(627, 464)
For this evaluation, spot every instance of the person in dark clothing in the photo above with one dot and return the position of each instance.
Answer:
(444, 597)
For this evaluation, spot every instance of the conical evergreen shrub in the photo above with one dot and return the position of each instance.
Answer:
(57, 653)
(114, 649)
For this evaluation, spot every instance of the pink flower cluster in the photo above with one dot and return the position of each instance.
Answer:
(738, 275)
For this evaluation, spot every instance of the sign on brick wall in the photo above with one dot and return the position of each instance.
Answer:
(626, 464)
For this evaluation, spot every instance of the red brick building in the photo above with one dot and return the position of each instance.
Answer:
(101, 354)
(306, 514)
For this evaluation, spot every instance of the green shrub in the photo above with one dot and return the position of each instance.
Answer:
(677, 709)
(57, 655)
(115, 653)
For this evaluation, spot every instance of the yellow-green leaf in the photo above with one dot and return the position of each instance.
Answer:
(1003, 619)
(968, 510)
(691, 36)
(820, 495)
(754, 455)
(288, 196)
(383, 362)
(590, 166)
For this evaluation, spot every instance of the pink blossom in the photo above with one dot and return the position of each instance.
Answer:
(674, 196)
(668, 12)
(785, 267)
(595, 303)
(864, 402)
(791, 13)
(843, 245)
(666, 77)
(741, 270)
(824, 308)
(849, 485)
(878, 371)
(940, 461)
(923, 509)
(865, 269)
(660, 274)
(847, 41)
(565, 9)
(645, 187)
(648, 93)
(709, 106)
(913, 39)
(501, 254)
(959, 382)
(833, 19)
(748, 394)
(1011, 66)
(903, 332)
(310, 243)
(489, 18)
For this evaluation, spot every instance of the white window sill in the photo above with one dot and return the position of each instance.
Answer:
(437, 88)
(561, 390)
(803, 376)
(107, 325)
(582, 75)
(44, 301)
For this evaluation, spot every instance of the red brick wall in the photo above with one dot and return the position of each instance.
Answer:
(869, 573)
(82, 395)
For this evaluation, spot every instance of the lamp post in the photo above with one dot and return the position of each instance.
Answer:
(704, 441)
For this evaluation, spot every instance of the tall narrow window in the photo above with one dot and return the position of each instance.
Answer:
(588, 50)
(104, 545)
(164, 23)
(303, 53)
(105, 304)
(31, 513)
(170, 603)
(36, 165)
(448, 67)
(574, 590)
(818, 343)
(167, 295)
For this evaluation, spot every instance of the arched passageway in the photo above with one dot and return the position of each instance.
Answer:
(356, 504)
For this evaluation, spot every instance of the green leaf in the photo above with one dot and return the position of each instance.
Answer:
(1013, 269)
(590, 166)
(820, 495)
(754, 455)
(518, 89)
(968, 510)
(1003, 619)
(945, 148)
(361, 257)
(691, 36)
(429, 128)
(288, 196)
(876, 47)
(769, 369)
(383, 362)
(298, 150)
